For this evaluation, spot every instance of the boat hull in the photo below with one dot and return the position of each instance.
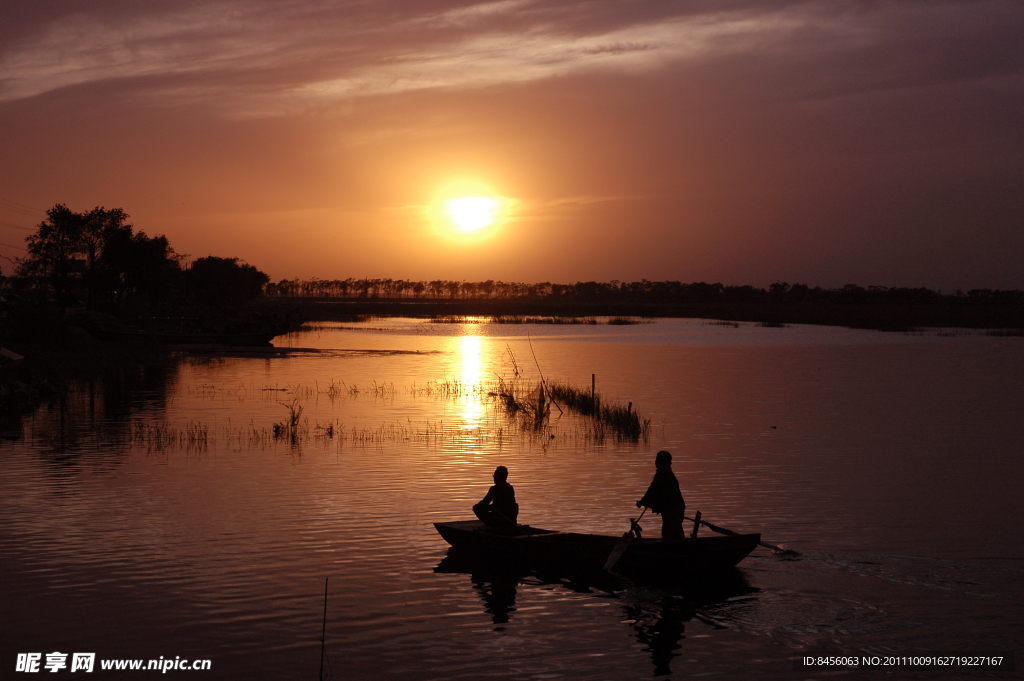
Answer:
(574, 552)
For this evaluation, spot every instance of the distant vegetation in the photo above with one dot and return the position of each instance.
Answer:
(637, 291)
(512, 319)
(876, 307)
(98, 261)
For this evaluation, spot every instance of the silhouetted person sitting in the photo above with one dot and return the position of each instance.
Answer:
(499, 507)
(664, 497)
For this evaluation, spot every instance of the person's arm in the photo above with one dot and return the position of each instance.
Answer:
(650, 497)
(488, 498)
(654, 499)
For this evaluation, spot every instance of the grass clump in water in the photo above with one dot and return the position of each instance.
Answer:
(294, 427)
(511, 319)
(624, 422)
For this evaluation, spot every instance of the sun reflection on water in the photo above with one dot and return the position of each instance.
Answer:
(472, 407)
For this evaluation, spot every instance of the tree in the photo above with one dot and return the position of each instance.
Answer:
(100, 250)
(98, 225)
(130, 265)
(225, 281)
(52, 250)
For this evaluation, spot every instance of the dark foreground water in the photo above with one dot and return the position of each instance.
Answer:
(154, 513)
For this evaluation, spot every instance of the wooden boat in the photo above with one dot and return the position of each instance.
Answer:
(587, 553)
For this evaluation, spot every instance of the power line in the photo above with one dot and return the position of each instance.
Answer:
(21, 213)
(11, 225)
(14, 205)
(13, 246)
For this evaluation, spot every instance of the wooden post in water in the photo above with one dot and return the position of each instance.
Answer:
(323, 633)
(696, 525)
(593, 383)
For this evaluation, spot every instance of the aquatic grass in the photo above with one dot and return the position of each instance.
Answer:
(511, 319)
(624, 422)
(160, 436)
(527, 404)
(334, 390)
(530, 406)
(295, 432)
(517, 319)
(449, 389)
(519, 413)
(294, 427)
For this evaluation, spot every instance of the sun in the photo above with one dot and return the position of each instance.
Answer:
(470, 213)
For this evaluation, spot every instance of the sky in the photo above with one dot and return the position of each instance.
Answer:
(827, 143)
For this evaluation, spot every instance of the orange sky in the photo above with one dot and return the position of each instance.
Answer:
(742, 142)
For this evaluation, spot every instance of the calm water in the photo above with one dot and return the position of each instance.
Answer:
(154, 513)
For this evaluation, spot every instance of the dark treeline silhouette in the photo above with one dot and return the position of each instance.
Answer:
(880, 307)
(91, 279)
(225, 281)
(643, 290)
(98, 259)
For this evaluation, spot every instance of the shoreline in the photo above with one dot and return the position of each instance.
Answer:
(1007, 318)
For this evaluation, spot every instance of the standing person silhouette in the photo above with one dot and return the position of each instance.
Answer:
(499, 507)
(664, 497)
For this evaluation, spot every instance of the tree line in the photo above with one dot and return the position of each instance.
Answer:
(626, 292)
(98, 258)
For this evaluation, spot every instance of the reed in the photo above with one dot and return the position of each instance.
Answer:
(196, 437)
(512, 319)
(294, 428)
(448, 389)
(160, 436)
(527, 403)
(624, 422)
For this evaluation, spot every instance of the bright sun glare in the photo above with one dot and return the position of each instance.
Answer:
(470, 213)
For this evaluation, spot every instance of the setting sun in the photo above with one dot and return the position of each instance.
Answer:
(470, 213)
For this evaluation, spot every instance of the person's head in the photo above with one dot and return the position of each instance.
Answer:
(663, 460)
(500, 474)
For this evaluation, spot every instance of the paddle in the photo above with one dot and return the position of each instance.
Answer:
(623, 543)
(722, 530)
(523, 528)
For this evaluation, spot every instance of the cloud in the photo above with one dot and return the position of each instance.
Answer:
(503, 58)
(245, 51)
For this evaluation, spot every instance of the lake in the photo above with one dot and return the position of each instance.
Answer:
(155, 512)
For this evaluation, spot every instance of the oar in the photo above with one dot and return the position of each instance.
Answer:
(722, 530)
(623, 544)
(524, 528)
